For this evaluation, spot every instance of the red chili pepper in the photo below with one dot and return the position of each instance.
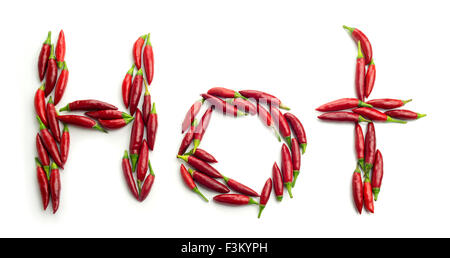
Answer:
(376, 115)
(298, 129)
(128, 174)
(39, 104)
(282, 124)
(43, 56)
(147, 186)
(65, 144)
(136, 91)
(265, 195)
(357, 188)
(205, 156)
(368, 197)
(220, 104)
(370, 78)
(137, 134)
(43, 184)
(126, 86)
(81, 121)
(49, 143)
(52, 121)
(377, 174)
(296, 160)
(260, 96)
(137, 50)
(201, 166)
(55, 187)
(343, 117)
(342, 104)
(369, 148)
(208, 182)
(108, 114)
(277, 182)
(359, 144)
(87, 105)
(224, 93)
(360, 73)
(115, 123)
(240, 188)
(201, 128)
(148, 60)
(266, 118)
(404, 114)
(152, 127)
(60, 49)
(43, 155)
(244, 105)
(191, 114)
(388, 103)
(61, 83)
(141, 167)
(187, 139)
(147, 104)
(365, 43)
(187, 178)
(52, 73)
(287, 168)
(235, 199)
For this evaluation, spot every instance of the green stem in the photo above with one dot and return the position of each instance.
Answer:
(252, 201)
(41, 125)
(98, 127)
(238, 95)
(52, 52)
(125, 155)
(150, 169)
(375, 191)
(131, 70)
(279, 198)
(276, 133)
(303, 146)
(48, 41)
(390, 119)
(420, 115)
(139, 186)
(284, 107)
(65, 108)
(126, 115)
(289, 188)
(183, 157)
(134, 159)
(349, 29)
(287, 139)
(296, 173)
(128, 119)
(364, 104)
(362, 119)
(153, 109)
(261, 208)
(406, 101)
(196, 144)
(360, 54)
(195, 189)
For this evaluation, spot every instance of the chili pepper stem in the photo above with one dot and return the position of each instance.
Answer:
(349, 29)
(279, 198)
(261, 208)
(364, 104)
(65, 108)
(98, 127)
(238, 95)
(196, 144)
(284, 107)
(361, 163)
(275, 131)
(303, 146)
(288, 140)
(139, 186)
(47, 171)
(252, 201)
(49, 38)
(183, 157)
(296, 173)
(134, 158)
(195, 189)
(362, 119)
(375, 191)
(390, 119)
(406, 101)
(420, 115)
(289, 188)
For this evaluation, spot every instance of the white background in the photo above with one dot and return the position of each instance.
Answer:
(296, 50)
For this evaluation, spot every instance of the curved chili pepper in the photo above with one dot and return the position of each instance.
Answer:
(39, 104)
(152, 127)
(200, 129)
(282, 124)
(205, 156)
(43, 155)
(343, 117)
(377, 174)
(60, 49)
(87, 105)
(115, 123)
(81, 121)
(357, 188)
(370, 78)
(235, 199)
(360, 73)
(296, 160)
(141, 167)
(369, 148)
(187, 178)
(55, 187)
(376, 115)
(262, 96)
(298, 129)
(341, 104)
(388, 103)
(128, 174)
(265, 195)
(43, 184)
(201, 166)
(368, 197)
(359, 145)
(49, 143)
(52, 73)
(108, 114)
(220, 104)
(126, 86)
(365, 43)
(43, 56)
(137, 134)
(191, 114)
(148, 60)
(136, 91)
(61, 83)
(187, 139)
(208, 182)
(147, 185)
(287, 168)
(238, 187)
(224, 93)
(147, 104)
(244, 105)
(277, 182)
(52, 121)
(266, 118)
(65, 144)
(404, 114)
(137, 50)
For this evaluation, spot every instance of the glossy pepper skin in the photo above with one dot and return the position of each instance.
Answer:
(282, 124)
(296, 159)
(388, 103)
(376, 115)
(370, 78)
(44, 55)
(115, 123)
(377, 174)
(126, 86)
(43, 184)
(404, 114)
(61, 84)
(360, 74)
(244, 106)
(369, 148)
(191, 114)
(260, 96)
(298, 129)
(43, 155)
(238, 187)
(152, 127)
(267, 119)
(65, 144)
(49, 143)
(208, 182)
(359, 144)
(189, 182)
(234, 199)
(357, 189)
(201, 166)
(187, 139)
(149, 62)
(137, 134)
(147, 104)
(222, 105)
(128, 174)
(277, 182)
(108, 114)
(60, 49)
(136, 91)
(287, 168)
(81, 121)
(148, 183)
(368, 197)
(39, 104)
(205, 156)
(358, 35)
(265, 195)
(137, 50)
(141, 168)
(200, 129)
(341, 104)
(51, 74)
(343, 116)
(224, 93)
(87, 105)
(55, 187)
(53, 121)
